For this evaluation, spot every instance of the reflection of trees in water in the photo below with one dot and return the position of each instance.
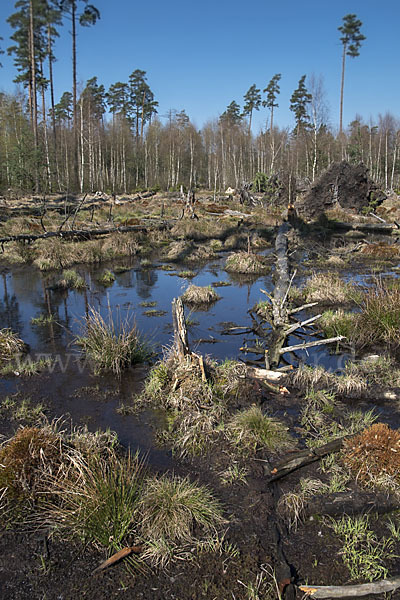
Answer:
(9, 309)
(145, 280)
(125, 280)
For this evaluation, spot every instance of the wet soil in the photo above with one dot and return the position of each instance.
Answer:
(32, 566)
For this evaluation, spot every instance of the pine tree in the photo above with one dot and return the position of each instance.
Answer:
(298, 104)
(232, 115)
(252, 101)
(351, 41)
(272, 90)
(142, 103)
(89, 16)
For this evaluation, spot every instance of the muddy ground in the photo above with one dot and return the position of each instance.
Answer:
(259, 541)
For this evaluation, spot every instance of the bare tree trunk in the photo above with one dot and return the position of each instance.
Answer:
(34, 93)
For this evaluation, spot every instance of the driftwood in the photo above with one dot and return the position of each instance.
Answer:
(304, 457)
(352, 591)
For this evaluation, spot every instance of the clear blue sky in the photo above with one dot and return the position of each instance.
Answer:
(202, 55)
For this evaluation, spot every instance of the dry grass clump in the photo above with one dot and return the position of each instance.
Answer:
(111, 344)
(196, 294)
(251, 429)
(80, 486)
(10, 345)
(381, 250)
(201, 253)
(236, 241)
(179, 250)
(196, 409)
(374, 453)
(201, 230)
(246, 262)
(25, 460)
(170, 508)
(328, 288)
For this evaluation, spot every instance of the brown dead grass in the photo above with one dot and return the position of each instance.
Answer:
(373, 453)
(381, 250)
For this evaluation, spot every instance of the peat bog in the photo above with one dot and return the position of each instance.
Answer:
(213, 453)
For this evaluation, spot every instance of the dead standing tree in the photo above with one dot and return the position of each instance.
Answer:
(280, 312)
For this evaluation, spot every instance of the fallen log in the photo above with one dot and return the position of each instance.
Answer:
(365, 227)
(350, 503)
(303, 458)
(81, 233)
(265, 374)
(351, 591)
(311, 344)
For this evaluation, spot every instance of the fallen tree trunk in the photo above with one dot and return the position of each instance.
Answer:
(351, 503)
(365, 227)
(303, 458)
(81, 233)
(351, 591)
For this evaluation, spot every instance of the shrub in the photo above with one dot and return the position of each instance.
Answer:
(112, 346)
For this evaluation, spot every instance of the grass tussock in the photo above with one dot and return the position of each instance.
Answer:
(246, 262)
(362, 551)
(252, 429)
(70, 280)
(30, 455)
(339, 322)
(196, 294)
(10, 345)
(79, 485)
(329, 288)
(171, 507)
(381, 250)
(379, 319)
(107, 278)
(197, 410)
(112, 344)
(374, 453)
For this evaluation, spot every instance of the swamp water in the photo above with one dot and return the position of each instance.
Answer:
(70, 387)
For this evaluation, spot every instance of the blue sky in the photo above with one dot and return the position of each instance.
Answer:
(199, 56)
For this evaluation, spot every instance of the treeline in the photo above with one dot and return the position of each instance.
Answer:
(113, 140)
(120, 155)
